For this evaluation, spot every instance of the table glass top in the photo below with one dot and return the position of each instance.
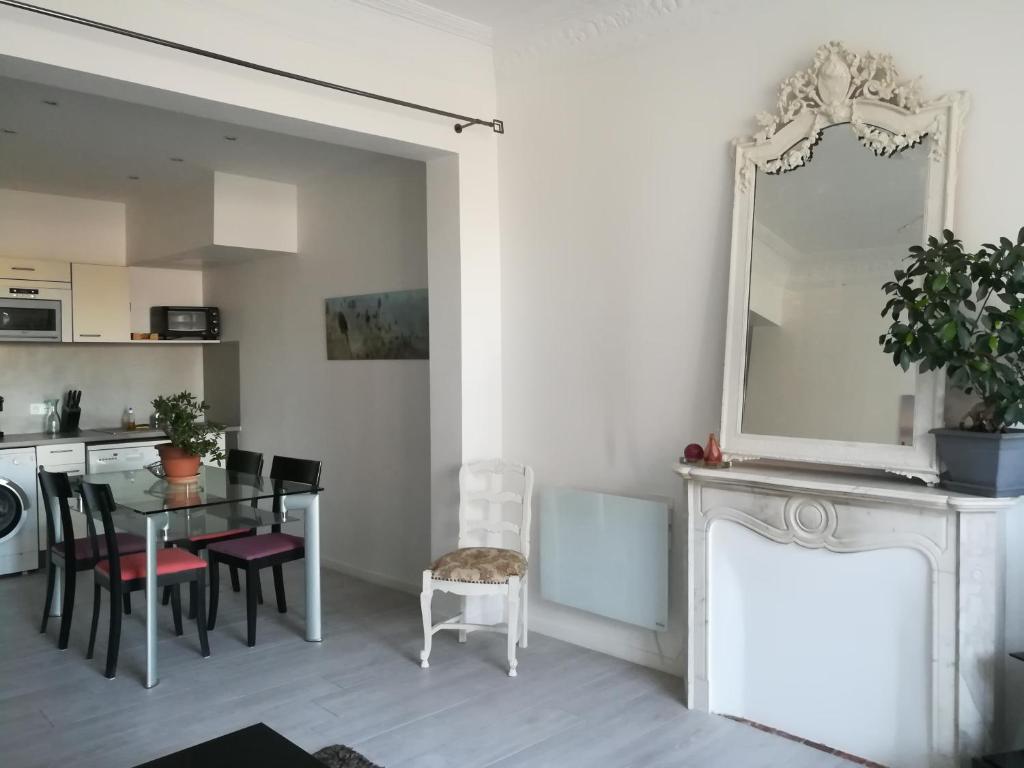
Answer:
(142, 492)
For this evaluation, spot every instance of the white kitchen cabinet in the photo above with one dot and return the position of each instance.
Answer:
(35, 269)
(101, 304)
(62, 457)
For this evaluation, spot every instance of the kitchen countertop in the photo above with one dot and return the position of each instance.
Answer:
(87, 436)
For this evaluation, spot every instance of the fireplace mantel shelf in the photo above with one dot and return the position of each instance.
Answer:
(855, 487)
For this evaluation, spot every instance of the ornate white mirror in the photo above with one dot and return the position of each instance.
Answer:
(852, 170)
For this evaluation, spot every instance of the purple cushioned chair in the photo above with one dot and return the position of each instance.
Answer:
(270, 550)
(72, 555)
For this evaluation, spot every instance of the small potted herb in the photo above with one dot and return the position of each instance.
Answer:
(183, 418)
(964, 312)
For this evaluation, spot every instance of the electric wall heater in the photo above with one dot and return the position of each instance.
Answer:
(606, 554)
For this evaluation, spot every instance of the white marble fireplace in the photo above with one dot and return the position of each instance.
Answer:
(864, 613)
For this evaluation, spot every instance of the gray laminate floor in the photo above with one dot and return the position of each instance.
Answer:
(362, 686)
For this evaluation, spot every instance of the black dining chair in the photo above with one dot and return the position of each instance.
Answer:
(246, 462)
(268, 550)
(122, 574)
(71, 555)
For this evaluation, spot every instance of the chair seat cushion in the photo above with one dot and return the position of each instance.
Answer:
(484, 565)
(234, 533)
(256, 547)
(168, 561)
(127, 543)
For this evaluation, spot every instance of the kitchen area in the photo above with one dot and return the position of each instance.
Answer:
(82, 354)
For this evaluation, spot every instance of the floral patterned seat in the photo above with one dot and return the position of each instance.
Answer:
(484, 565)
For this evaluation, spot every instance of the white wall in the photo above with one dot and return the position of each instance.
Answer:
(60, 228)
(616, 194)
(150, 287)
(111, 377)
(349, 43)
(367, 420)
(254, 213)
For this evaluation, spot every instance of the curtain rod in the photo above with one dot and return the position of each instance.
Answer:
(466, 122)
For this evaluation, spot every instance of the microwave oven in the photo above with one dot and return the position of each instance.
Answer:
(31, 311)
(185, 322)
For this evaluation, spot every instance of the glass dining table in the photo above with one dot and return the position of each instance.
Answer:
(219, 500)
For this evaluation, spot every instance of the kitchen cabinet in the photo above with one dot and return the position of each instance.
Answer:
(34, 269)
(101, 304)
(62, 457)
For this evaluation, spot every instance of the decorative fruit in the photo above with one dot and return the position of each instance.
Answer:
(693, 452)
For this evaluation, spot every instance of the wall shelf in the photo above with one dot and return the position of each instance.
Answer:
(160, 342)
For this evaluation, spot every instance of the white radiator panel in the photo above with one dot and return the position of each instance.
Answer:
(606, 554)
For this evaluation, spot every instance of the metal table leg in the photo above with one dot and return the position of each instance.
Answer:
(312, 544)
(152, 600)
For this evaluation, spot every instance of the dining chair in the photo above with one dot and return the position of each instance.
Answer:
(246, 462)
(473, 570)
(268, 550)
(125, 573)
(71, 555)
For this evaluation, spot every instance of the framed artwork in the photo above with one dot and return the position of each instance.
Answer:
(378, 326)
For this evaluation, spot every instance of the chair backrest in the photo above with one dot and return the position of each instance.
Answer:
(56, 489)
(286, 469)
(246, 462)
(249, 462)
(484, 484)
(97, 499)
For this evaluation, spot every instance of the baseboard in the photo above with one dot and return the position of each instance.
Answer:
(587, 639)
(371, 576)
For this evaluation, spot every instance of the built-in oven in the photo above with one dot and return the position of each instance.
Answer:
(185, 322)
(32, 311)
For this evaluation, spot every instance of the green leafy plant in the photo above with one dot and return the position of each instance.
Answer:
(964, 312)
(183, 418)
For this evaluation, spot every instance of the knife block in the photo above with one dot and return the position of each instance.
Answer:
(69, 418)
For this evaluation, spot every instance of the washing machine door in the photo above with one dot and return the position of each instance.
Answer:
(13, 508)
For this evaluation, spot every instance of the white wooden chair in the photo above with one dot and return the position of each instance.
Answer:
(474, 569)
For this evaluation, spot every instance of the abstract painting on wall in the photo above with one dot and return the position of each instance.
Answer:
(378, 326)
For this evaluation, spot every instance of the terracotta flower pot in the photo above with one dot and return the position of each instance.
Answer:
(177, 463)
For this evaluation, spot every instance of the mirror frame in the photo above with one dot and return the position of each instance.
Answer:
(887, 115)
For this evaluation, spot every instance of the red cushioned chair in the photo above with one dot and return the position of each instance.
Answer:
(246, 462)
(269, 550)
(122, 574)
(71, 555)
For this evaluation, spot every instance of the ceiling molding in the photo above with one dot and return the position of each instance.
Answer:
(428, 16)
(587, 22)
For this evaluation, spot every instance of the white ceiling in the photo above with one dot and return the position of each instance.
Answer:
(88, 146)
(493, 13)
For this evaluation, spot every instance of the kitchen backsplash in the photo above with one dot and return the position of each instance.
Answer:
(110, 377)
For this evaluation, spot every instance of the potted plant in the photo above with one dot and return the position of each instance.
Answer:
(964, 312)
(183, 418)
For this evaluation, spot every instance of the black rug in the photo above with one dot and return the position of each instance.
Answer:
(340, 756)
(258, 746)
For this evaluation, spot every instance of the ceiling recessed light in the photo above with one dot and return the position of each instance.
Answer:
(230, 138)
(177, 159)
(133, 178)
(50, 103)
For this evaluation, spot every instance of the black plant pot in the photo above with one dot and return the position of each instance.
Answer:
(981, 463)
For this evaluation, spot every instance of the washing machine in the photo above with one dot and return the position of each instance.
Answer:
(19, 526)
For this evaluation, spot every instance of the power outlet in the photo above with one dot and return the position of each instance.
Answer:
(37, 409)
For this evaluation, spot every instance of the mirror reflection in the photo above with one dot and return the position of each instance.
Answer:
(825, 238)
